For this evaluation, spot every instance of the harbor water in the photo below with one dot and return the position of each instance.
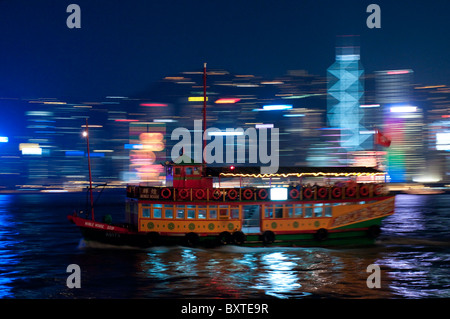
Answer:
(37, 244)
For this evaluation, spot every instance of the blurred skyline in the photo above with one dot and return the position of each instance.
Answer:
(135, 70)
(123, 47)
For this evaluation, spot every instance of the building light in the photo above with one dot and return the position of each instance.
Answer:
(278, 107)
(227, 101)
(264, 126)
(133, 146)
(369, 105)
(31, 151)
(164, 121)
(398, 72)
(403, 109)
(4, 139)
(227, 133)
(294, 115)
(154, 104)
(196, 99)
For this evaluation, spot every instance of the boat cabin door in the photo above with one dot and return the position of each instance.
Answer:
(251, 219)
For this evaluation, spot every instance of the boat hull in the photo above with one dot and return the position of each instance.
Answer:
(360, 234)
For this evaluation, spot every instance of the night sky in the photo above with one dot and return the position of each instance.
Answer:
(122, 47)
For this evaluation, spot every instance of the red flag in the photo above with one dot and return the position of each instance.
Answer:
(382, 140)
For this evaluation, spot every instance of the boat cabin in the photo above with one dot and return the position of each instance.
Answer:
(186, 173)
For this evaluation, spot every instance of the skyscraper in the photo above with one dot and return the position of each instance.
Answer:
(402, 123)
(345, 94)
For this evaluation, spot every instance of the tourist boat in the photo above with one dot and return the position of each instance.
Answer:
(213, 206)
(202, 205)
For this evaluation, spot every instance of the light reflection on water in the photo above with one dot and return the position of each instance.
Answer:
(37, 243)
(8, 256)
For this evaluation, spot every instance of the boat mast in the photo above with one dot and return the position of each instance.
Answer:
(204, 118)
(90, 174)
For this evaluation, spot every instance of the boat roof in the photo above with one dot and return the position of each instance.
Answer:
(255, 171)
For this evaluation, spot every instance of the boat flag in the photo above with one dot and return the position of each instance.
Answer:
(381, 139)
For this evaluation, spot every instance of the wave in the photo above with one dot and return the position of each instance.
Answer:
(411, 241)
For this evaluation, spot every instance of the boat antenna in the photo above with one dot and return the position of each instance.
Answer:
(204, 118)
(89, 166)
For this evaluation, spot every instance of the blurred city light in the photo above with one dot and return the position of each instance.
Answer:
(403, 109)
(226, 133)
(227, 101)
(277, 107)
(328, 121)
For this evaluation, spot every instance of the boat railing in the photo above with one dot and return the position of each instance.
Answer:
(303, 193)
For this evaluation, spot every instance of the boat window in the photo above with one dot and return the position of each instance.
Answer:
(188, 170)
(298, 210)
(157, 210)
(191, 211)
(177, 170)
(180, 211)
(196, 170)
(318, 209)
(235, 212)
(328, 211)
(308, 210)
(168, 211)
(278, 211)
(202, 212)
(288, 211)
(212, 210)
(268, 211)
(223, 211)
(145, 212)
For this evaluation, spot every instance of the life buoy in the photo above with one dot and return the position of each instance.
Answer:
(322, 192)
(268, 237)
(307, 192)
(247, 193)
(216, 194)
(294, 193)
(378, 189)
(351, 191)
(321, 234)
(262, 194)
(336, 192)
(200, 193)
(232, 193)
(183, 193)
(165, 193)
(364, 190)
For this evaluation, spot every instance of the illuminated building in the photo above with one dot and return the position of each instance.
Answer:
(402, 123)
(436, 101)
(345, 95)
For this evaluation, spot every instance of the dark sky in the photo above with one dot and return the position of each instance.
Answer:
(124, 46)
